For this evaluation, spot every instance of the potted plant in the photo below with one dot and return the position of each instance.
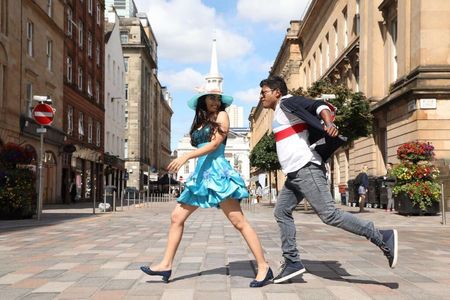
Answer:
(417, 190)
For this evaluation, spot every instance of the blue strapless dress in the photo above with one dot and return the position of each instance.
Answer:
(213, 180)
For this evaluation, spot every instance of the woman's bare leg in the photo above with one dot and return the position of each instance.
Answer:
(233, 211)
(179, 215)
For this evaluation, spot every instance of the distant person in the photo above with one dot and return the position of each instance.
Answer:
(73, 190)
(297, 126)
(258, 192)
(214, 183)
(362, 183)
(389, 181)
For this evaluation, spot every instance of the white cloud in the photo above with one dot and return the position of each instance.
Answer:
(184, 80)
(184, 30)
(276, 14)
(249, 96)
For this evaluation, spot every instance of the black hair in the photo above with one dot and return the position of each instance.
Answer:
(203, 118)
(275, 83)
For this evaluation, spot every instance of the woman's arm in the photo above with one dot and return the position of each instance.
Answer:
(216, 140)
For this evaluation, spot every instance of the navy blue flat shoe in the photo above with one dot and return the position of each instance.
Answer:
(165, 274)
(269, 276)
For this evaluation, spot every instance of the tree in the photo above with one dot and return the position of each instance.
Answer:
(353, 115)
(264, 157)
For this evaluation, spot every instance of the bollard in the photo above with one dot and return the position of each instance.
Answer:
(114, 201)
(444, 218)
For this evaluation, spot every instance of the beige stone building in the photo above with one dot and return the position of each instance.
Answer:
(31, 55)
(396, 52)
(148, 113)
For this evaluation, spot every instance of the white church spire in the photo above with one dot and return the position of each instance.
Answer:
(214, 79)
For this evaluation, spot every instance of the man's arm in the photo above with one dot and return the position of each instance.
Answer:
(329, 126)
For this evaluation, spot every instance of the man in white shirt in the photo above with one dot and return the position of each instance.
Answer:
(305, 171)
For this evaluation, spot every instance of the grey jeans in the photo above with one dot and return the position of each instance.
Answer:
(310, 182)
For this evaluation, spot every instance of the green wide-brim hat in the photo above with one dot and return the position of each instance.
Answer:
(226, 100)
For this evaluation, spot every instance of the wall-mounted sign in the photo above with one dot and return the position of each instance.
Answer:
(429, 103)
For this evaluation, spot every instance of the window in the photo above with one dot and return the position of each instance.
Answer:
(126, 119)
(125, 64)
(69, 120)
(98, 137)
(69, 70)
(30, 38)
(80, 78)
(320, 61)
(336, 40)
(98, 14)
(327, 50)
(126, 91)
(114, 71)
(344, 15)
(2, 82)
(80, 34)
(29, 95)
(357, 19)
(124, 37)
(89, 86)
(97, 54)
(50, 8)
(90, 127)
(3, 16)
(314, 66)
(125, 148)
(97, 92)
(89, 46)
(80, 126)
(69, 21)
(49, 54)
(90, 7)
(393, 56)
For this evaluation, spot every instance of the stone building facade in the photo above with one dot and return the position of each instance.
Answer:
(396, 53)
(31, 49)
(148, 112)
(84, 110)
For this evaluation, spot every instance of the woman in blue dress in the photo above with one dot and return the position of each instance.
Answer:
(214, 183)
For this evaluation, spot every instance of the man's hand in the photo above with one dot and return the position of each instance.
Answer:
(331, 129)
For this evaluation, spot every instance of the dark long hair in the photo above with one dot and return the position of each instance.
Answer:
(203, 118)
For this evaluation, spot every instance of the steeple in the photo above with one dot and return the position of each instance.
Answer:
(214, 79)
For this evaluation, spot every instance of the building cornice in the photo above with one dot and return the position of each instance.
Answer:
(410, 85)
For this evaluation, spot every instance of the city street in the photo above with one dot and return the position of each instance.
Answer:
(72, 254)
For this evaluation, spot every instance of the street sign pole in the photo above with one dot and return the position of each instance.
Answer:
(41, 131)
(43, 114)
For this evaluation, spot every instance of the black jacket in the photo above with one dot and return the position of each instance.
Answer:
(305, 109)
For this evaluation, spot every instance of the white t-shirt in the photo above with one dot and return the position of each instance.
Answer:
(293, 150)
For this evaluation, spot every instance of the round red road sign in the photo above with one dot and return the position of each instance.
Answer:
(43, 114)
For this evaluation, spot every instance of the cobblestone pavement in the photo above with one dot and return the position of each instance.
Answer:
(71, 254)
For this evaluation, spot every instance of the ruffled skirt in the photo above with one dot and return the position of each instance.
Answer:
(213, 181)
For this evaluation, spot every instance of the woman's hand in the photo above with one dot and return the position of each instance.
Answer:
(176, 164)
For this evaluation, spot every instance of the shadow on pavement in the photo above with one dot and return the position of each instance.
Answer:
(332, 270)
(51, 215)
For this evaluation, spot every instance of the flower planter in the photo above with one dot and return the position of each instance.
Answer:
(404, 206)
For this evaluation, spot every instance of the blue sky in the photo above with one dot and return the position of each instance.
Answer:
(249, 35)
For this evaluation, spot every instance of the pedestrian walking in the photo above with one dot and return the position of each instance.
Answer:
(388, 182)
(214, 183)
(303, 145)
(362, 183)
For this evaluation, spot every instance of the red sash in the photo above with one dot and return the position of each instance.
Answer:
(287, 132)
